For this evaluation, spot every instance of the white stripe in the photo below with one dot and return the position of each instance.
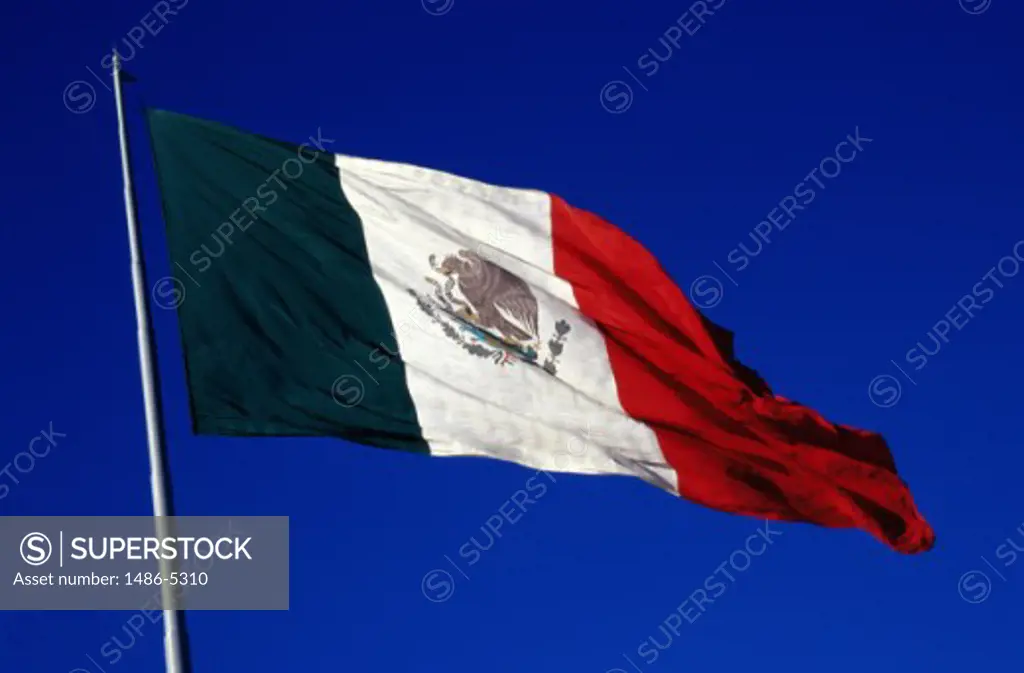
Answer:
(467, 404)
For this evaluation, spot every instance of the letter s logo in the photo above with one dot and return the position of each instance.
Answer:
(884, 391)
(707, 292)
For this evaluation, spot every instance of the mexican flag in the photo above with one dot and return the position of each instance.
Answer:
(406, 308)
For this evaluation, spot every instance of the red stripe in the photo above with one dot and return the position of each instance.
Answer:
(735, 446)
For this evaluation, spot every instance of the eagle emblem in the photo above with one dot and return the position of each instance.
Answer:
(489, 311)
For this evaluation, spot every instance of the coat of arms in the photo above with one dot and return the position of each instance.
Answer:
(489, 311)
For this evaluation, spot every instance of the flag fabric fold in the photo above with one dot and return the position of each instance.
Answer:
(320, 294)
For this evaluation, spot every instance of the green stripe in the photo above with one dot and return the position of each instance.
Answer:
(285, 331)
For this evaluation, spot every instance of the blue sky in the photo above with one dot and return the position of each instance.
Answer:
(690, 157)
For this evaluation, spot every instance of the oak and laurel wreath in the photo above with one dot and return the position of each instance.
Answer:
(430, 309)
(555, 346)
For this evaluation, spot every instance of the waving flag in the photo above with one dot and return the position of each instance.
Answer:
(407, 308)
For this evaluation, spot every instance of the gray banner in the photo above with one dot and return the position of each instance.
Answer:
(113, 563)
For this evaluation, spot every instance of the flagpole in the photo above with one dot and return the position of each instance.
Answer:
(160, 487)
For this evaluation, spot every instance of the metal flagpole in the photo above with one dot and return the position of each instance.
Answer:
(147, 364)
